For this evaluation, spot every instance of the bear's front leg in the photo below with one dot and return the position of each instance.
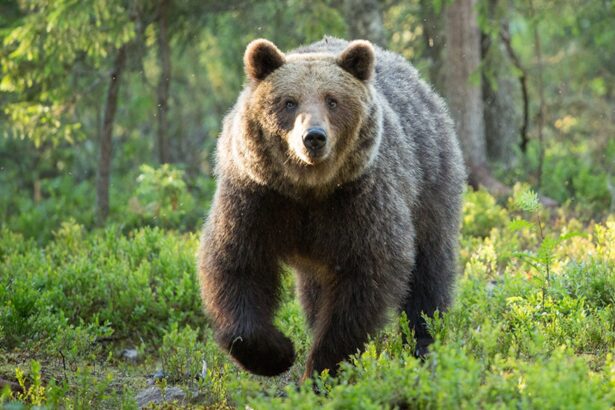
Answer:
(354, 306)
(240, 284)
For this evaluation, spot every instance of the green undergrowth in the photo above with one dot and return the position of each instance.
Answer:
(533, 325)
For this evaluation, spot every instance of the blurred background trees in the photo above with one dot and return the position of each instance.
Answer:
(93, 91)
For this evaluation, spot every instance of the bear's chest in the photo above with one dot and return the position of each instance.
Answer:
(306, 229)
(322, 232)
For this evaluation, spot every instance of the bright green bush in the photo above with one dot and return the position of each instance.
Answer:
(181, 354)
(161, 196)
(133, 284)
(511, 340)
(62, 199)
(575, 179)
(481, 213)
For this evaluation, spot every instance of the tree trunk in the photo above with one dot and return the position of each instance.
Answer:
(433, 37)
(164, 56)
(462, 60)
(501, 95)
(104, 162)
(542, 105)
(364, 19)
(522, 76)
(464, 94)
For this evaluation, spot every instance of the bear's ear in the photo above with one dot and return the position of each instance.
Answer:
(358, 59)
(262, 57)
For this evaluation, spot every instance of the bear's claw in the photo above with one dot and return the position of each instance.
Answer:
(266, 354)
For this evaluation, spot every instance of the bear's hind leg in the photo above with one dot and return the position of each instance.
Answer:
(352, 307)
(434, 272)
(430, 290)
(310, 293)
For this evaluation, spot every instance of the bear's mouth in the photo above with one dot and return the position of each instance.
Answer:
(311, 159)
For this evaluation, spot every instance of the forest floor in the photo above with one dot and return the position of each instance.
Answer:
(100, 319)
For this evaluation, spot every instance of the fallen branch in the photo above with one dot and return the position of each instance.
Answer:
(15, 387)
(480, 176)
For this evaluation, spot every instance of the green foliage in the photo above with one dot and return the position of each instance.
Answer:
(542, 258)
(576, 179)
(95, 286)
(161, 195)
(533, 325)
(90, 391)
(35, 392)
(76, 344)
(52, 37)
(510, 340)
(182, 356)
(526, 200)
(63, 200)
(481, 213)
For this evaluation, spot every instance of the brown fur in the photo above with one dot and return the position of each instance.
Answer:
(369, 223)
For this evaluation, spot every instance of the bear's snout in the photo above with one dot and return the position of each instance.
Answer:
(315, 139)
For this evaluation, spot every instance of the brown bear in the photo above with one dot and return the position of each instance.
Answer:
(338, 161)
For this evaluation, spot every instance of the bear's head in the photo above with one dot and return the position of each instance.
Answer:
(308, 121)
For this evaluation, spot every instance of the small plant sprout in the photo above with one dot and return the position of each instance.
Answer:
(541, 259)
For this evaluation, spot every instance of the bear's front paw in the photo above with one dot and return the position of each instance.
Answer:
(268, 353)
(422, 347)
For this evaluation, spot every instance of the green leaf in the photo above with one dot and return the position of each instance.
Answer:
(519, 224)
(527, 200)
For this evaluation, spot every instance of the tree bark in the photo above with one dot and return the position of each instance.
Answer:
(431, 20)
(505, 36)
(462, 60)
(164, 56)
(464, 93)
(501, 94)
(104, 161)
(541, 98)
(364, 19)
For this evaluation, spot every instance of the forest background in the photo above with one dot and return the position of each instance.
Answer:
(109, 114)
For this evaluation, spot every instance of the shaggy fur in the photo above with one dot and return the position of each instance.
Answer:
(369, 224)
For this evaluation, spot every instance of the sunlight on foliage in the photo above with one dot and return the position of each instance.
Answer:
(161, 195)
(511, 339)
(533, 323)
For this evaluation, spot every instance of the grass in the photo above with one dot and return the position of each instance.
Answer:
(533, 325)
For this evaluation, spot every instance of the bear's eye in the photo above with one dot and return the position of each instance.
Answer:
(290, 105)
(331, 102)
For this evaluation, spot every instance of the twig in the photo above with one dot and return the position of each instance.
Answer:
(547, 263)
(63, 364)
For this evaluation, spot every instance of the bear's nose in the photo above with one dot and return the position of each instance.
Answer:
(315, 138)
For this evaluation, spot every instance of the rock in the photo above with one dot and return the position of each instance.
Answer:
(130, 355)
(203, 374)
(156, 376)
(156, 395)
